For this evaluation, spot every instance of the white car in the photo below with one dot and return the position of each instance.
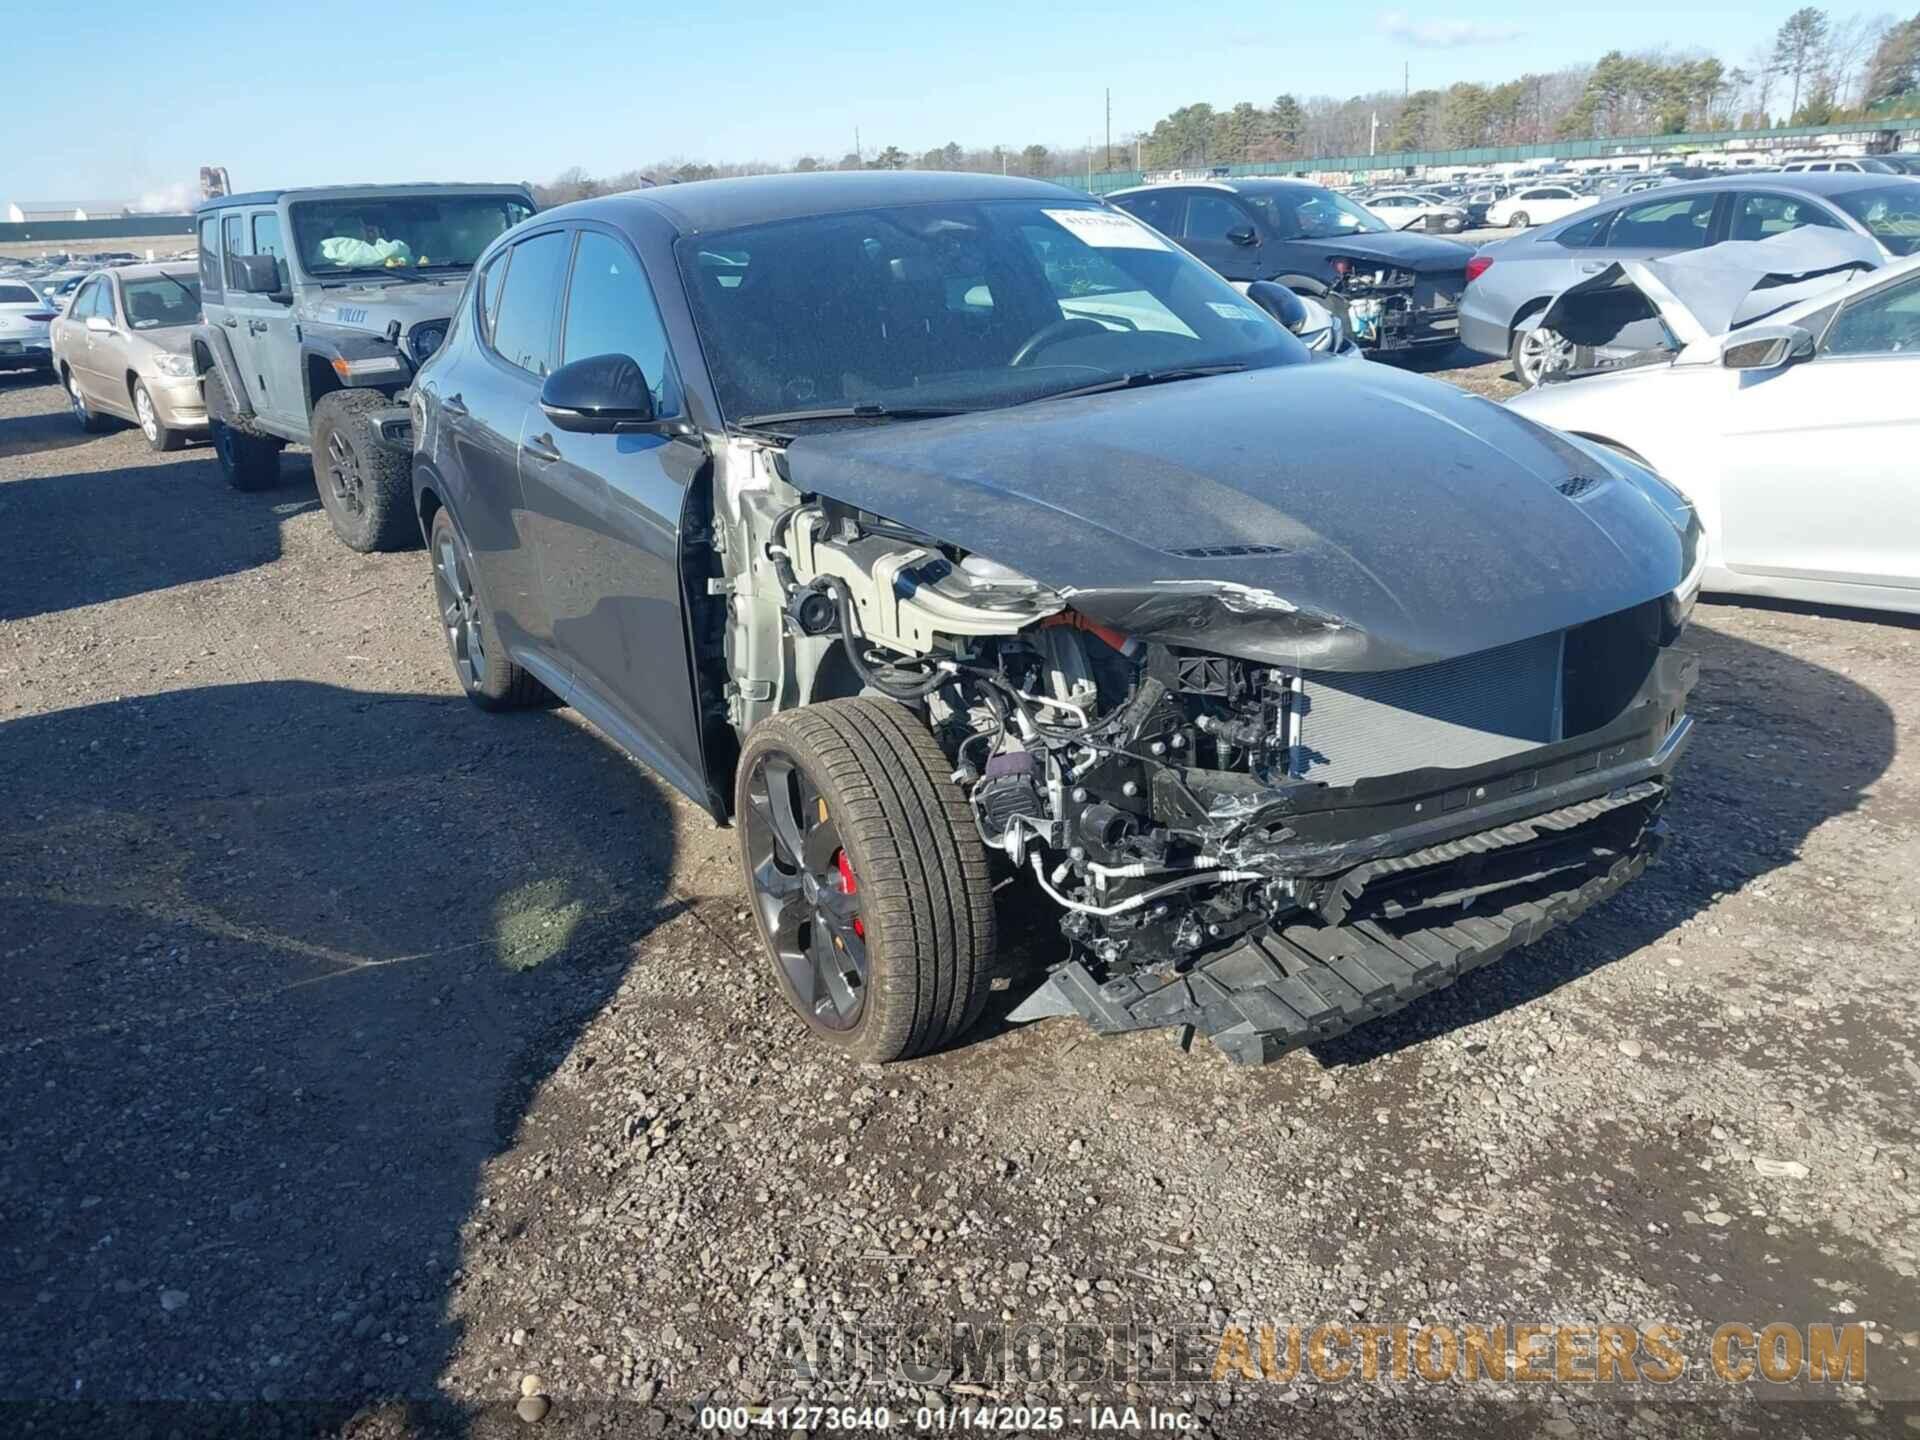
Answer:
(1537, 205)
(1794, 434)
(1415, 210)
(24, 314)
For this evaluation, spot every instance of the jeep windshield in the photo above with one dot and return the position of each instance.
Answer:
(1309, 213)
(395, 232)
(886, 314)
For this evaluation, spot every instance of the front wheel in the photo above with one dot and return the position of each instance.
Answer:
(870, 883)
(160, 435)
(364, 484)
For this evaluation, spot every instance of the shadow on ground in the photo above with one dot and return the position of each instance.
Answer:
(99, 535)
(285, 966)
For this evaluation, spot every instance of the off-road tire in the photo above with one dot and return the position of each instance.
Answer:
(162, 437)
(364, 486)
(499, 684)
(926, 893)
(248, 460)
(90, 420)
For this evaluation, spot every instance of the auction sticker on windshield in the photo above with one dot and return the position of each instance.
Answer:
(1106, 229)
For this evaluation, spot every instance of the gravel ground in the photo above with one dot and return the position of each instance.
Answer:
(375, 1066)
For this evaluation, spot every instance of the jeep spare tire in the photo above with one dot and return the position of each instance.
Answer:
(363, 483)
(869, 882)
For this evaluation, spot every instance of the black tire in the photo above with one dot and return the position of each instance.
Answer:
(91, 421)
(365, 486)
(1519, 221)
(866, 779)
(249, 461)
(160, 436)
(486, 673)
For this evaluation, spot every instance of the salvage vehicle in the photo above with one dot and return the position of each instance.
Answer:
(1393, 290)
(121, 350)
(1511, 281)
(1537, 205)
(1296, 686)
(24, 317)
(319, 305)
(1779, 386)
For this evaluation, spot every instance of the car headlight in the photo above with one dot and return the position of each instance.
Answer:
(174, 367)
(424, 340)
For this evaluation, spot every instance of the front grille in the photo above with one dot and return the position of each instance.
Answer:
(1455, 714)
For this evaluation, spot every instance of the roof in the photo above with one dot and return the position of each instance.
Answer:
(1252, 185)
(758, 199)
(149, 272)
(345, 192)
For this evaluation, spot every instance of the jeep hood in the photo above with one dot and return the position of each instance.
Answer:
(1422, 254)
(375, 305)
(1334, 517)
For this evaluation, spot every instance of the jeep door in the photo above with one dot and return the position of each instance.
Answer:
(260, 328)
(609, 509)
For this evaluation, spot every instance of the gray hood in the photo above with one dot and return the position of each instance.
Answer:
(1327, 516)
(373, 307)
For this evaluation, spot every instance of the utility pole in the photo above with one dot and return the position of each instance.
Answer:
(1406, 79)
(858, 157)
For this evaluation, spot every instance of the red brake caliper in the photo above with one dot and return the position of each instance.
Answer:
(849, 887)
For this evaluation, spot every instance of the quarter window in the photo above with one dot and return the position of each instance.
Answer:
(610, 311)
(1584, 233)
(523, 322)
(1755, 217)
(488, 294)
(1161, 211)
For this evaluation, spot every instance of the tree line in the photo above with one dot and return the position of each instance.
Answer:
(1814, 70)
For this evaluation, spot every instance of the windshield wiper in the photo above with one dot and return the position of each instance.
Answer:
(774, 419)
(1137, 378)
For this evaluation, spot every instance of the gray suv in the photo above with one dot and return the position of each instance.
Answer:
(1510, 281)
(319, 304)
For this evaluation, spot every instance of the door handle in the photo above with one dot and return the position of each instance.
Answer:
(541, 447)
(1593, 267)
(231, 323)
(454, 405)
(258, 327)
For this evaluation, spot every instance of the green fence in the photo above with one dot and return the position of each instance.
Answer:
(118, 227)
(1100, 182)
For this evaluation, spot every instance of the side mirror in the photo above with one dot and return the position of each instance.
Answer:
(1280, 302)
(254, 274)
(597, 395)
(1244, 235)
(1766, 347)
(99, 325)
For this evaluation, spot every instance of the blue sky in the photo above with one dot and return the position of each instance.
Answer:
(487, 90)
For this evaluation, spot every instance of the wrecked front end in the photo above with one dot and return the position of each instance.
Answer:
(1393, 307)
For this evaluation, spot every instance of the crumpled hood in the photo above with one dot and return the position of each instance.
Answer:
(1341, 517)
(373, 307)
(1422, 254)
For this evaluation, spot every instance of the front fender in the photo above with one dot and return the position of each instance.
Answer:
(211, 351)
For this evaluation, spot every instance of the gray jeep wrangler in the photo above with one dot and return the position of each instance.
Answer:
(319, 305)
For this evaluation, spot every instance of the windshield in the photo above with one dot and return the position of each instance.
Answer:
(162, 301)
(1308, 213)
(958, 306)
(337, 237)
(1890, 212)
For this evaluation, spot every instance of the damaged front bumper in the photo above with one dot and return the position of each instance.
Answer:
(1416, 879)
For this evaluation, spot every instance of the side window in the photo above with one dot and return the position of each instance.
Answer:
(83, 300)
(1755, 217)
(1583, 233)
(1210, 217)
(103, 302)
(523, 321)
(266, 241)
(1677, 224)
(210, 269)
(610, 311)
(233, 241)
(487, 295)
(1161, 211)
(1886, 322)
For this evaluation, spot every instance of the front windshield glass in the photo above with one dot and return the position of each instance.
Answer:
(161, 301)
(1890, 212)
(336, 237)
(1309, 213)
(958, 306)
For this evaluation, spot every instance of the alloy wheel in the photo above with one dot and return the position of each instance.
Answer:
(343, 474)
(143, 410)
(76, 400)
(1542, 352)
(460, 613)
(804, 886)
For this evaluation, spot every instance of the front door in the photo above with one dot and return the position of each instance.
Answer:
(260, 327)
(1821, 481)
(611, 515)
(1221, 232)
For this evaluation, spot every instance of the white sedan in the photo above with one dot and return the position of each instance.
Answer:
(1414, 210)
(1796, 437)
(1537, 205)
(24, 314)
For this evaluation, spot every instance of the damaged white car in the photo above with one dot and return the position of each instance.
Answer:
(1775, 382)
(940, 530)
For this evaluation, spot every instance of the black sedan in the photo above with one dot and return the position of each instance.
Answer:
(935, 529)
(1395, 289)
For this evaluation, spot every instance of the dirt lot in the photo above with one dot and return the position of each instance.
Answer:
(369, 1059)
